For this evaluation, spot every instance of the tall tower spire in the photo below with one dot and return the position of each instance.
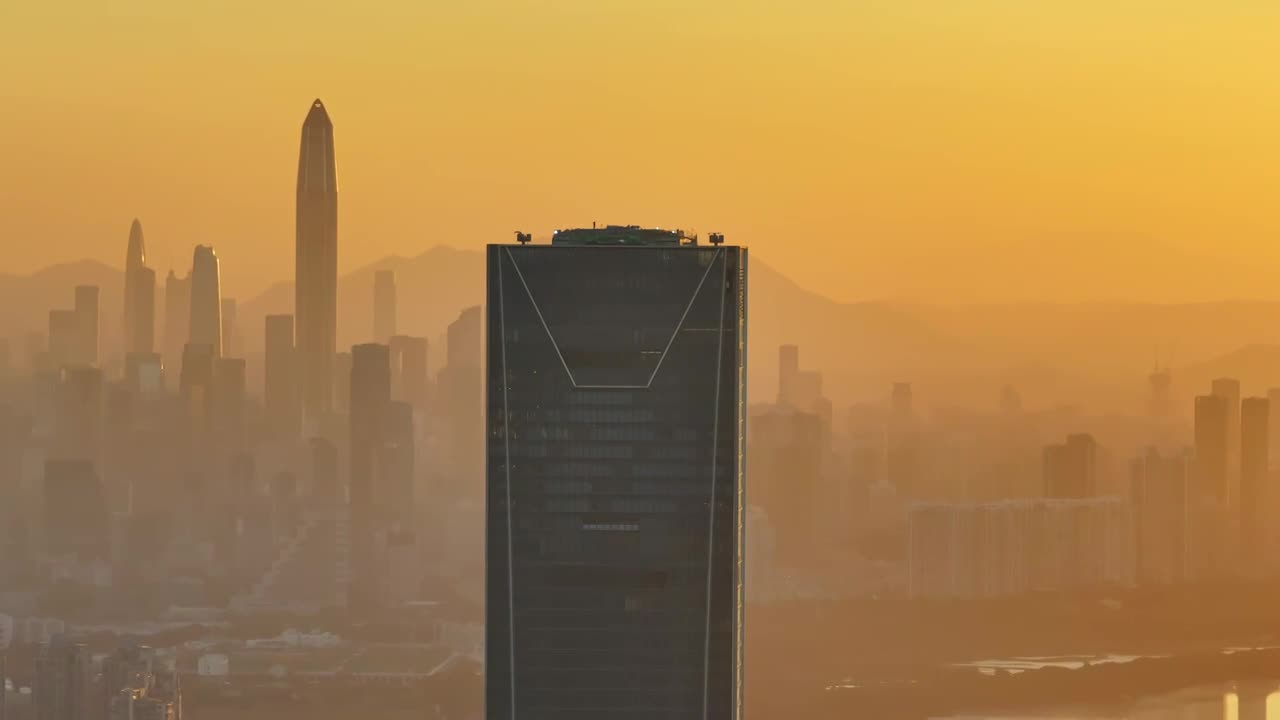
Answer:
(139, 295)
(316, 261)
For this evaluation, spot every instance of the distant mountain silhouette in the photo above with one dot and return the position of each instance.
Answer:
(1091, 353)
(1257, 367)
(25, 300)
(434, 286)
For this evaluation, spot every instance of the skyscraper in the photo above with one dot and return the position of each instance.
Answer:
(75, 511)
(316, 262)
(1255, 499)
(1070, 469)
(616, 368)
(79, 414)
(230, 329)
(226, 401)
(460, 392)
(384, 305)
(139, 295)
(786, 461)
(1212, 534)
(370, 396)
(394, 494)
(1159, 489)
(86, 310)
(64, 338)
(206, 300)
(1229, 390)
(788, 369)
(177, 324)
(409, 369)
(280, 394)
(1212, 435)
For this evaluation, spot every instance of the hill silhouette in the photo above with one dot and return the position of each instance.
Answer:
(1089, 353)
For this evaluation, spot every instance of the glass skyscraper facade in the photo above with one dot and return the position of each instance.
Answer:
(616, 425)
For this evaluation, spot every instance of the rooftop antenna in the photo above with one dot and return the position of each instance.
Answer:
(524, 238)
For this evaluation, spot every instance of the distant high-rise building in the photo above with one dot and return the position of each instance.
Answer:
(280, 391)
(86, 310)
(1161, 496)
(342, 382)
(230, 328)
(1071, 469)
(370, 395)
(788, 369)
(177, 324)
(1212, 436)
(394, 491)
(1256, 497)
(206, 300)
(409, 369)
(1212, 535)
(615, 365)
(196, 382)
(75, 510)
(1229, 389)
(227, 399)
(79, 414)
(460, 391)
(1160, 404)
(384, 305)
(316, 261)
(144, 372)
(63, 688)
(139, 295)
(324, 473)
(786, 481)
(64, 338)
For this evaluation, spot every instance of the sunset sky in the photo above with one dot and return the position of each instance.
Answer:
(939, 150)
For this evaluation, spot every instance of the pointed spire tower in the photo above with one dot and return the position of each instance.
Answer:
(316, 262)
(139, 295)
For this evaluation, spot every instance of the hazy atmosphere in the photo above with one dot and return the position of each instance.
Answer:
(905, 149)
(604, 359)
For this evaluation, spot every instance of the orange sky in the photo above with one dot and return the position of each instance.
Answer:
(945, 149)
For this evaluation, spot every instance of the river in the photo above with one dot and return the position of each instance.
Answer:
(1229, 702)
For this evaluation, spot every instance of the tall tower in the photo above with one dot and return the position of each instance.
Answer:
(206, 302)
(370, 397)
(316, 262)
(177, 321)
(384, 305)
(139, 295)
(230, 328)
(280, 389)
(86, 311)
(1255, 497)
(1229, 390)
(615, 585)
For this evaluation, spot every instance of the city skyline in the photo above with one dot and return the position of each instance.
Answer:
(1005, 437)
